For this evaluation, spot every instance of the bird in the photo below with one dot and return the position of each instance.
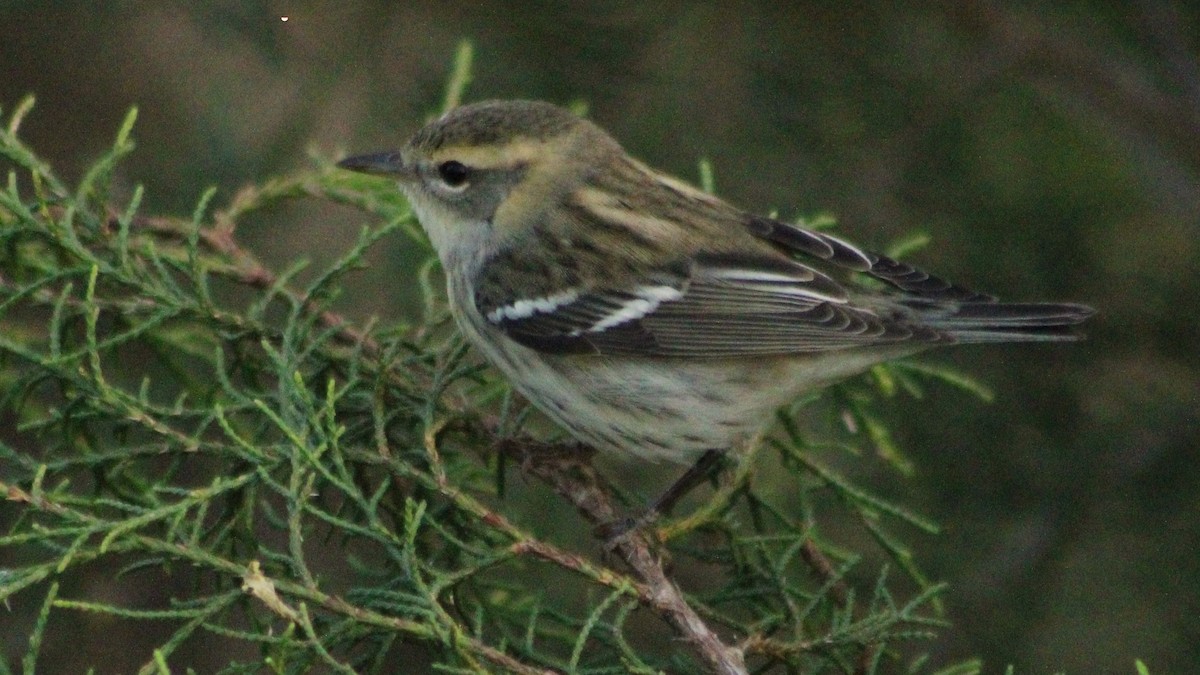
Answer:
(649, 318)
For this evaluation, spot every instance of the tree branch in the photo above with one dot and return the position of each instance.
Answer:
(567, 468)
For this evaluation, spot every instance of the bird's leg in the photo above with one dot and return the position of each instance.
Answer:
(695, 475)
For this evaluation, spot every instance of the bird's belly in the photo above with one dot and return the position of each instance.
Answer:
(669, 409)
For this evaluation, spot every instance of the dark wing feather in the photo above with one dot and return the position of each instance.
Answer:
(724, 305)
(796, 239)
(959, 314)
(762, 303)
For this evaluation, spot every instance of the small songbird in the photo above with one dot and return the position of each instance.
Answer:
(644, 315)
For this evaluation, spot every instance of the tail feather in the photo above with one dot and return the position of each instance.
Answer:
(972, 322)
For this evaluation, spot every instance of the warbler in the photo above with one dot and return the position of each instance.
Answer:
(645, 316)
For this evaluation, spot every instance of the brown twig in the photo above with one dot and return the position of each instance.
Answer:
(823, 567)
(251, 272)
(568, 470)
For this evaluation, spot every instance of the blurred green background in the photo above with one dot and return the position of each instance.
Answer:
(1052, 151)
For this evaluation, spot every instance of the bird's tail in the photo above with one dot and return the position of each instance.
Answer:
(973, 322)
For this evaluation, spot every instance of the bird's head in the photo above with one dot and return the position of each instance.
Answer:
(483, 173)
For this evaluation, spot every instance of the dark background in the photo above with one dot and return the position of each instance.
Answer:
(1052, 151)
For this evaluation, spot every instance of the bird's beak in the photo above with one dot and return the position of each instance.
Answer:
(380, 163)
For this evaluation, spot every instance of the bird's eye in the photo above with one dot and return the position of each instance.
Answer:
(453, 173)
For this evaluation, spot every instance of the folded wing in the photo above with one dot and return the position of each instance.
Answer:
(761, 304)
